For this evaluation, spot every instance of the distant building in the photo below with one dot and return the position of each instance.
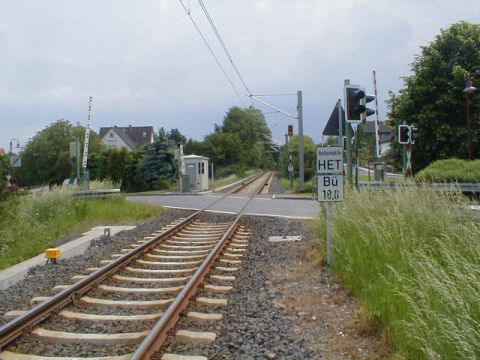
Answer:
(386, 134)
(129, 137)
(2, 151)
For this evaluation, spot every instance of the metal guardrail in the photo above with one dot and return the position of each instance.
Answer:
(100, 193)
(463, 187)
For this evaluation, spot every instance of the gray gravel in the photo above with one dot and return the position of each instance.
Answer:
(253, 327)
(42, 278)
(276, 187)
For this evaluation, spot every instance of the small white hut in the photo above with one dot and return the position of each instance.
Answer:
(197, 168)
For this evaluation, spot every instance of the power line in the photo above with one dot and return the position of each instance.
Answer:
(223, 45)
(211, 51)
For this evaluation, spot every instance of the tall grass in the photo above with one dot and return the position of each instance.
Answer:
(412, 258)
(30, 224)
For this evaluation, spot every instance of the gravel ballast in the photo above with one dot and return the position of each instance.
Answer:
(254, 326)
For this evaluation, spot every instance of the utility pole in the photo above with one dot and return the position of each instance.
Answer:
(299, 117)
(340, 123)
(348, 131)
(301, 174)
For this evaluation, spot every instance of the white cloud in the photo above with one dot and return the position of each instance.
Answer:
(144, 62)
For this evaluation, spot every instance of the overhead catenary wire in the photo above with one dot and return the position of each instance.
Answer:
(220, 40)
(212, 52)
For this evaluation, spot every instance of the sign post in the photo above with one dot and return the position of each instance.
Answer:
(329, 186)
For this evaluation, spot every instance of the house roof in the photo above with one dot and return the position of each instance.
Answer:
(195, 157)
(369, 127)
(125, 138)
(137, 135)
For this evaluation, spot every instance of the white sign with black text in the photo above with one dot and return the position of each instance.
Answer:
(330, 173)
(330, 187)
(329, 160)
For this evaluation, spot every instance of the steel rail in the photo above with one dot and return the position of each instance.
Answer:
(154, 341)
(265, 182)
(246, 183)
(14, 328)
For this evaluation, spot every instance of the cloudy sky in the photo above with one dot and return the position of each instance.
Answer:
(145, 64)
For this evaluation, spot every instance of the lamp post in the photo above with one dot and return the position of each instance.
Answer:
(11, 144)
(469, 89)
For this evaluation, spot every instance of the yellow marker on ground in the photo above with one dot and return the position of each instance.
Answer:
(53, 254)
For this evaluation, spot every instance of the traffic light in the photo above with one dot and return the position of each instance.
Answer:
(290, 130)
(403, 134)
(353, 96)
(367, 112)
(356, 101)
(413, 134)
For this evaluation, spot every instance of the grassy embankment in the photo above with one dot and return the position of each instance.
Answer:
(230, 179)
(286, 184)
(411, 258)
(30, 224)
(451, 170)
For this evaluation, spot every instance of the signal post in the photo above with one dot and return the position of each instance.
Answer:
(329, 186)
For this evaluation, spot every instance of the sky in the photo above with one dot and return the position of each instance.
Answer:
(145, 64)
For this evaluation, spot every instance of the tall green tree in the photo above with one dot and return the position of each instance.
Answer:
(46, 156)
(194, 147)
(157, 166)
(175, 137)
(224, 149)
(117, 160)
(4, 171)
(309, 156)
(251, 128)
(433, 99)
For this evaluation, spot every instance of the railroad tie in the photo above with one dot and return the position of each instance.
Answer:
(222, 277)
(198, 316)
(10, 315)
(8, 355)
(195, 337)
(63, 337)
(182, 357)
(39, 299)
(78, 277)
(101, 317)
(213, 302)
(226, 269)
(218, 288)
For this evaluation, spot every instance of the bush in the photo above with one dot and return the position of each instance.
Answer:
(30, 224)
(225, 171)
(411, 258)
(451, 170)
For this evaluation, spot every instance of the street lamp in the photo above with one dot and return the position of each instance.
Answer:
(469, 89)
(11, 144)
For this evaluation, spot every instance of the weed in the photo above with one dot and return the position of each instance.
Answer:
(29, 224)
(411, 258)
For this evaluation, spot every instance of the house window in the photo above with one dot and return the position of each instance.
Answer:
(203, 168)
(111, 135)
(199, 168)
(144, 134)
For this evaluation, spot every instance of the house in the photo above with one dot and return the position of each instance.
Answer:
(129, 137)
(386, 134)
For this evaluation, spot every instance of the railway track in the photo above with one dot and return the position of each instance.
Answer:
(126, 307)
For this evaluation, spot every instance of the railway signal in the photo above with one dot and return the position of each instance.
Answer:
(290, 130)
(356, 104)
(404, 134)
(413, 134)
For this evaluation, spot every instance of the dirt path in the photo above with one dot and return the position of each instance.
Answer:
(324, 314)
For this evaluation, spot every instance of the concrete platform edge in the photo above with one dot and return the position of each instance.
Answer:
(18, 272)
